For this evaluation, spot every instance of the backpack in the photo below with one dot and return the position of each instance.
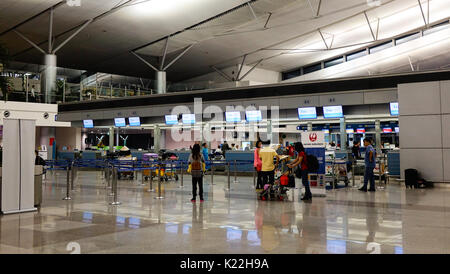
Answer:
(313, 163)
(196, 164)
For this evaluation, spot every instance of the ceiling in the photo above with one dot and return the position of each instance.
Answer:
(285, 34)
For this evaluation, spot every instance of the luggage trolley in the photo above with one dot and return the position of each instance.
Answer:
(278, 191)
(165, 168)
(150, 158)
(336, 171)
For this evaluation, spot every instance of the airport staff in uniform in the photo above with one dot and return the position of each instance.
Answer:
(369, 160)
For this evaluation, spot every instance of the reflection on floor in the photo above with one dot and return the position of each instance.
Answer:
(393, 220)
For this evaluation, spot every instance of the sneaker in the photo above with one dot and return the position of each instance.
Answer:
(193, 200)
(362, 189)
(306, 198)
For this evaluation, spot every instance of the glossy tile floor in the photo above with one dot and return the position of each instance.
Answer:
(393, 220)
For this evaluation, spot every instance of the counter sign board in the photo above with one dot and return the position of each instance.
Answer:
(313, 139)
(314, 143)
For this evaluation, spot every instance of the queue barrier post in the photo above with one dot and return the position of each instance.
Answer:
(68, 184)
(114, 187)
(113, 179)
(229, 179)
(182, 176)
(379, 175)
(160, 197)
(254, 178)
(212, 173)
(72, 176)
(150, 189)
(235, 172)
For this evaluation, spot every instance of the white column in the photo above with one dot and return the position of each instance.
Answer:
(343, 127)
(160, 84)
(48, 77)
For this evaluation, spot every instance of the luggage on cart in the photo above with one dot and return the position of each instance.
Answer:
(167, 170)
(149, 157)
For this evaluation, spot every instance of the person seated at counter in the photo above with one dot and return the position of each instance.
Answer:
(38, 161)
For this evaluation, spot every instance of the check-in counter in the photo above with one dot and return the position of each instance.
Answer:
(38, 172)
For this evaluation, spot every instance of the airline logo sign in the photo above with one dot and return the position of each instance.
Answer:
(313, 139)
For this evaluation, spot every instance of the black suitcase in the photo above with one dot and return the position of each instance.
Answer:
(411, 178)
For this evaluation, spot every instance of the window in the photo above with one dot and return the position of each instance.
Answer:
(312, 68)
(334, 62)
(380, 47)
(436, 28)
(407, 38)
(291, 74)
(356, 55)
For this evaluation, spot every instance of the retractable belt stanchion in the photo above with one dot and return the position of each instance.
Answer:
(143, 177)
(353, 172)
(229, 187)
(150, 189)
(182, 176)
(68, 184)
(113, 179)
(254, 178)
(235, 172)
(114, 187)
(379, 175)
(108, 174)
(212, 173)
(160, 197)
(72, 166)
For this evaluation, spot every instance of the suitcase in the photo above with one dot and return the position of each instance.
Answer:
(411, 178)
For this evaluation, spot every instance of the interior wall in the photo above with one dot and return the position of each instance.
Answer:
(69, 137)
(425, 132)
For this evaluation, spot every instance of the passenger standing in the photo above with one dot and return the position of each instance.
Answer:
(268, 168)
(225, 147)
(205, 154)
(355, 151)
(33, 94)
(196, 168)
(257, 163)
(301, 162)
(369, 160)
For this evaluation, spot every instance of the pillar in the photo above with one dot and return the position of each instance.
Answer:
(160, 84)
(378, 136)
(111, 139)
(343, 128)
(157, 138)
(269, 131)
(48, 77)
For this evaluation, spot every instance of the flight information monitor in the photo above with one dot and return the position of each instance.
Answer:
(394, 108)
(88, 123)
(307, 113)
(134, 121)
(332, 112)
(171, 119)
(188, 119)
(253, 116)
(120, 122)
(233, 116)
